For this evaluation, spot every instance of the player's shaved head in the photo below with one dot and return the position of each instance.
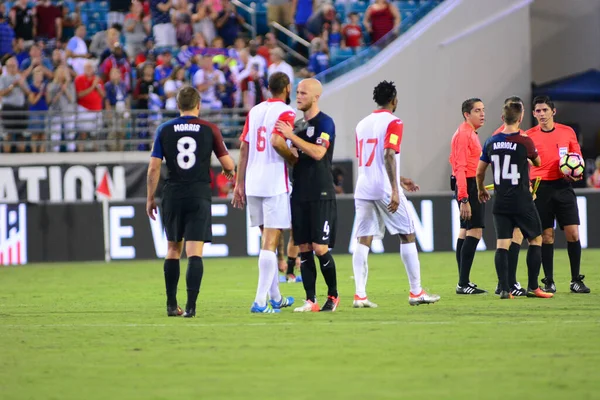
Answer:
(308, 93)
(313, 86)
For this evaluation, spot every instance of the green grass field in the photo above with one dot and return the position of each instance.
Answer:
(97, 331)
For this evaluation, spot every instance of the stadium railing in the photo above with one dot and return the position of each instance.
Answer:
(107, 130)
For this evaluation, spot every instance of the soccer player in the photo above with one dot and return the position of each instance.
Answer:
(186, 143)
(293, 261)
(379, 202)
(314, 210)
(555, 196)
(263, 178)
(508, 153)
(464, 157)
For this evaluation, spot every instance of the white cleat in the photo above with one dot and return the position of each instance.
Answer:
(422, 298)
(363, 302)
(308, 306)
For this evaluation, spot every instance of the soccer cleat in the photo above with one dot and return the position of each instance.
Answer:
(174, 311)
(549, 286)
(189, 313)
(506, 295)
(518, 291)
(308, 306)
(578, 286)
(422, 298)
(331, 304)
(284, 302)
(498, 290)
(267, 309)
(363, 302)
(291, 278)
(539, 293)
(471, 288)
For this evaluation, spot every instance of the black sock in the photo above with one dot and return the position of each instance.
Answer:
(308, 269)
(501, 261)
(459, 246)
(171, 268)
(548, 260)
(328, 271)
(193, 279)
(534, 262)
(513, 262)
(291, 263)
(574, 250)
(467, 255)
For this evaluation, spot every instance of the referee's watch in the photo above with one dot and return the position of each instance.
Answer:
(464, 200)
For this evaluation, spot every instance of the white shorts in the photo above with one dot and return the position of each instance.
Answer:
(89, 121)
(270, 212)
(372, 217)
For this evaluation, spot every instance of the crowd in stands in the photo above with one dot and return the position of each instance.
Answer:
(61, 84)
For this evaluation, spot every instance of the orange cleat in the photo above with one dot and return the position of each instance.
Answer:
(539, 293)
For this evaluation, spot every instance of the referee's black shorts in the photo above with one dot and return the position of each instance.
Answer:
(526, 219)
(477, 208)
(314, 221)
(187, 218)
(556, 200)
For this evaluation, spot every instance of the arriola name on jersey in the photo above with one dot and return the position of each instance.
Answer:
(505, 146)
(187, 128)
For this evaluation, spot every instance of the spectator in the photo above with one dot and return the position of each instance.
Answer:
(224, 186)
(210, 83)
(137, 28)
(216, 5)
(319, 60)
(103, 42)
(7, 34)
(352, 33)
(117, 106)
(148, 54)
(228, 23)
(77, 51)
(162, 27)
(380, 18)
(118, 59)
(19, 50)
(35, 59)
(302, 10)
(164, 70)
(238, 46)
(319, 21)
(21, 18)
(38, 108)
(117, 10)
(338, 180)
(594, 180)
(204, 20)
(254, 88)
(183, 22)
(227, 66)
(172, 86)
(13, 94)
(48, 21)
(60, 94)
(279, 65)
(90, 95)
(70, 20)
(143, 95)
(334, 38)
(279, 11)
(257, 59)
(265, 49)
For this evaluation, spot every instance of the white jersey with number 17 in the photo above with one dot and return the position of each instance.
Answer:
(266, 173)
(379, 131)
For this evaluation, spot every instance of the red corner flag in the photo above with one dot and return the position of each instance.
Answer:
(103, 188)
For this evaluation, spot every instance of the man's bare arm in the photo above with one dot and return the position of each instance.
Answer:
(390, 167)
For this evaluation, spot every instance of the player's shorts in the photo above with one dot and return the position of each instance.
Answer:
(556, 199)
(270, 212)
(187, 218)
(528, 221)
(477, 209)
(372, 217)
(314, 222)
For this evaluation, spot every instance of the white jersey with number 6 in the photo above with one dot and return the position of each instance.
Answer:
(266, 173)
(379, 131)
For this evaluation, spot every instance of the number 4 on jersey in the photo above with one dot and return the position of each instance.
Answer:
(509, 171)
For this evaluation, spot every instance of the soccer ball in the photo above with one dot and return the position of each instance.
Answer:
(572, 164)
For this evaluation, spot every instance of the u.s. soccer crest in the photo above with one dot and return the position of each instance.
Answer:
(310, 131)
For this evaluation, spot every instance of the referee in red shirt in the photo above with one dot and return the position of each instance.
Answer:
(555, 196)
(464, 158)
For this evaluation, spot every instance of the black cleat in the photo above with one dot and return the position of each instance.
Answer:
(471, 288)
(549, 286)
(331, 304)
(498, 290)
(506, 295)
(174, 311)
(578, 286)
(518, 291)
(189, 313)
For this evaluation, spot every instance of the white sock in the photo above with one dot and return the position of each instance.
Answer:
(274, 292)
(410, 258)
(361, 269)
(267, 267)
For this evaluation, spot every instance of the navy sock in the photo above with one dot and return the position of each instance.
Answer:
(534, 262)
(328, 271)
(309, 275)
(193, 279)
(501, 261)
(171, 269)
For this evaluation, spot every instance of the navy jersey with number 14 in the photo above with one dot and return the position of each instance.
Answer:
(508, 154)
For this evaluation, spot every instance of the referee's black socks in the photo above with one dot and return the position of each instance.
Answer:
(308, 269)
(548, 261)
(193, 280)
(467, 255)
(574, 250)
(171, 268)
(291, 264)
(459, 246)
(501, 261)
(328, 271)
(534, 262)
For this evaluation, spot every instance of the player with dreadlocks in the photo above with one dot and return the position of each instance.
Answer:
(378, 200)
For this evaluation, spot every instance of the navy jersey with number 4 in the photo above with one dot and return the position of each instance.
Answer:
(508, 154)
(187, 144)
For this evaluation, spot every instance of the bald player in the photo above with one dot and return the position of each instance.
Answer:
(313, 204)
